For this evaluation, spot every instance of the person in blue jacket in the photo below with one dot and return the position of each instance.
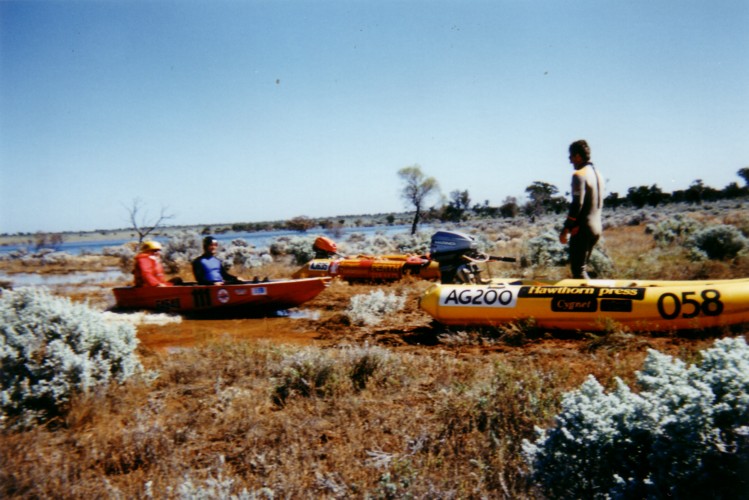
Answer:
(208, 269)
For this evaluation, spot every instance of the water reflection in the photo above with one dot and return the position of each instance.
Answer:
(299, 314)
(78, 278)
(259, 239)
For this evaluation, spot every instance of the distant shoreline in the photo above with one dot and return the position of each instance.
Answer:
(7, 240)
(128, 233)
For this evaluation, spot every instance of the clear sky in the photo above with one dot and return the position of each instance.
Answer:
(242, 111)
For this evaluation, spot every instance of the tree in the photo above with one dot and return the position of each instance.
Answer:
(417, 190)
(612, 200)
(646, 195)
(509, 208)
(485, 210)
(744, 174)
(656, 196)
(542, 199)
(48, 240)
(141, 223)
(301, 223)
(456, 208)
(733, 190)
(696, 192)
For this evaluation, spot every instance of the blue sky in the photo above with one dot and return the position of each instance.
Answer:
(240, 111)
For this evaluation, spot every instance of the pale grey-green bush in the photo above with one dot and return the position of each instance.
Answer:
(181, 248)
(52, 348)
(720, 242)
(185, 246)
(218, 487)
(413, 244)
(370, 309)
(546, 251)
(120, 251)
(300, 247)
(674, 230)
(240, 253)
(684, 435)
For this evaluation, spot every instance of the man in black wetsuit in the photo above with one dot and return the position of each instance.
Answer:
(583, 226)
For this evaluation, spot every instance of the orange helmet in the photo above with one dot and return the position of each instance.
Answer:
(325, 244)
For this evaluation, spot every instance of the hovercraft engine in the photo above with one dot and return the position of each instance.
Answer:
(449, 248)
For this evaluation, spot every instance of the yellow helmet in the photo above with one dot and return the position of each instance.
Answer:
(150, 245)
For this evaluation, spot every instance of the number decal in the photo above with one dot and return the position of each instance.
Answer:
(694, 304)
(670, 306)
(201, 297)
(479, 297)
(675, 306)
(712, 306)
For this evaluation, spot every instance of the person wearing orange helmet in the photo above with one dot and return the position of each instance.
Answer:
(148, 270)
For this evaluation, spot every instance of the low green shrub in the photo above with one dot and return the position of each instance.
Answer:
(52, 348)
(676, 229)
(721, 242)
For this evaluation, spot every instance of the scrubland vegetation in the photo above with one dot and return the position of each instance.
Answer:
(382, 403)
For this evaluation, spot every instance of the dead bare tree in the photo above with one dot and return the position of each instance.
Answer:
(142, 223)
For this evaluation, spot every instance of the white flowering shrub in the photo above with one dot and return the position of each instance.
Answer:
(51, 348)
(684, 435)
(370, 309)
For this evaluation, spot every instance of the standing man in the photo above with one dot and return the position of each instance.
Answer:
(208, 269)
(583, 225)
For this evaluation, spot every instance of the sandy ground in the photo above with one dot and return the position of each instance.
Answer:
(318, 322)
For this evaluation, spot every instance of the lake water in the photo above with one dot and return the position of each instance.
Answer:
(77, 278)
(258, 239)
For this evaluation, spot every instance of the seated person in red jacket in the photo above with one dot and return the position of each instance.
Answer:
(148, 270)
(208, 269)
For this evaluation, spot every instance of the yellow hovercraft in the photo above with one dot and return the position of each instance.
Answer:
(573, 304)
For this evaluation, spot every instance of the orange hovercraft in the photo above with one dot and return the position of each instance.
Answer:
(365, 268)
